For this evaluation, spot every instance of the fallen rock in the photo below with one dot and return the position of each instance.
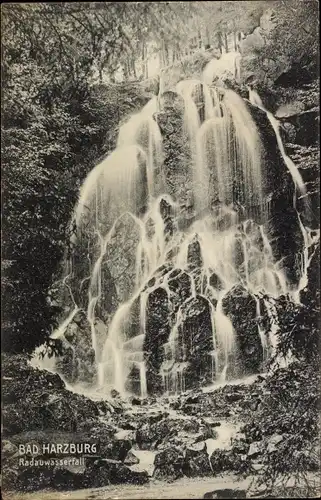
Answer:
(273, 442)
(226, 493)
(227, 460)
(103, 472)
(255, 449)
(169, 464)
(131, 459)
(149, 436)
(116, 450)
(8, 449)
(196, 463)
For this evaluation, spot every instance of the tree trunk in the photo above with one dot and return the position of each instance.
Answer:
(220, 41)
(226, 42)
(166, 54)
(145, 62)
(235, 41)
(134, 68)
(208, 41)
(199, 39)
(143, 57)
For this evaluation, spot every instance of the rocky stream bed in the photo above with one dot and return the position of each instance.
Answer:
(188, 445)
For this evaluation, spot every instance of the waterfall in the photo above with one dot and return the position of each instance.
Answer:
(142, 129)
(216, 69)
(225, 336)
(248, 151)
(308, 240)
(213, 140)
(192, 121)
(296, 176)
(113, 185)
(187, 274)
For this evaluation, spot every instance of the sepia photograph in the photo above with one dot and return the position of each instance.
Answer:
(160, 250)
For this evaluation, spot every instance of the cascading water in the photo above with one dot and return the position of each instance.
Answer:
(307, 234)
(216, 69)
(141, 129)
(174, 326)
(255, 99)
(113, 186)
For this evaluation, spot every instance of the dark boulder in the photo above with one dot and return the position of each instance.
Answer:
(77, 361)
(150, 435)
(167, 214)
(169, 464)
(240, 306)
(226, 493)
(180, 284)
(306, 126)
(116, 450)
(49, 405)
(196, 462)
(195, 341)
(157, 333)
(103, 472)
(227, 461)
(131, 459)
(194, 254)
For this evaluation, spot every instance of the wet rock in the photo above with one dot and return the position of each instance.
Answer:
(216, 282)
(136, 401)
(116, 450)
(77, 361)
(255, 449)
(312, 291)
(169, 464)
(194, 398)
(171, 101)
(240, 306)
(273, 442)
(49, 405)
(179, 282)
(157, 333)
(306, 126)
(196, 462)
(226, 493)
(8, 449)
(286, 239)
(157, 417)
(241, 447)
(164, 123)
(167, 214)
(194, 254)
(103, 472)
(131, 459)
(227, 460)
(149, 436)
(307, 161)
(232, 398)
(196, 337)
(114, 393)
(119, 256)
